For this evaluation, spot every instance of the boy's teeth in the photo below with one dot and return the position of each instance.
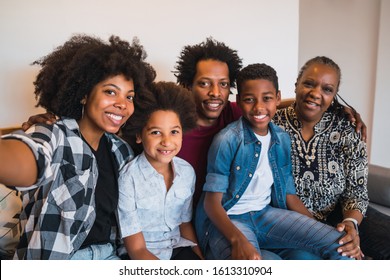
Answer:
(260, 117)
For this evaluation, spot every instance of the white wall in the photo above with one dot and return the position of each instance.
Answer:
(261, 31)
(347, 31)
(380, 151)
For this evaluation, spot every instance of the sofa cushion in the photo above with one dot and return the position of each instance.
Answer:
(379, 185)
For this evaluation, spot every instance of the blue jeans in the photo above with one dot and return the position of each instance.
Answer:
(275, 228)
(296, 254)
(96, 252)
(374, 237)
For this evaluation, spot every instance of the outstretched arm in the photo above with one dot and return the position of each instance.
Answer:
(242, 249)
(17, 165)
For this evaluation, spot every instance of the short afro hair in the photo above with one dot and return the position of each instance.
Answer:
(207, 50)
(257, 71)
(72, 70)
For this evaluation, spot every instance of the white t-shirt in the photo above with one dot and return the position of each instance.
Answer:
(258, 193)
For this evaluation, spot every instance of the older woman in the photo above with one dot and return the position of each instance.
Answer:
(329, 158)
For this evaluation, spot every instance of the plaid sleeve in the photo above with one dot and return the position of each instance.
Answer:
(42, 140)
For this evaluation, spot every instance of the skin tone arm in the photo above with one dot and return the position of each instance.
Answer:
(295, 204)
(242, 249)
(136, 247)
(47, 118)
(354, 116)
(351, 240)
(187, 231)
(17, 165)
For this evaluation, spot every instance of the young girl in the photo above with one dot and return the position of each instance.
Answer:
(65, 170)
(156, 188)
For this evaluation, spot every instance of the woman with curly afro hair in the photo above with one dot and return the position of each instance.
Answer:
(65, 170)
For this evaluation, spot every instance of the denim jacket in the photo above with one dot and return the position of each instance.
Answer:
(233, 158)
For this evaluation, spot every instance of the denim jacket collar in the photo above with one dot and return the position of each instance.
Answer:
(250, 137)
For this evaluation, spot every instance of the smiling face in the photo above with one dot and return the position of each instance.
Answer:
(258, 100)
(107, 108)
(315, 91)
(161, 138)
(211, 88)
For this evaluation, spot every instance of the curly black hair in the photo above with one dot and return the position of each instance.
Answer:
(257, 71)
(209, 49)
(166, 96)
(71, 71)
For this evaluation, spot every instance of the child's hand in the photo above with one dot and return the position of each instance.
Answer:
(244, 250)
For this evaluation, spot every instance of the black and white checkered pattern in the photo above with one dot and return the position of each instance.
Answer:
(59, 210)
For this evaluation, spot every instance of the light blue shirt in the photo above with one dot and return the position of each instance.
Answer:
(146, 206)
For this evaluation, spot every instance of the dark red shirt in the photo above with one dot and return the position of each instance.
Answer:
(196, 145)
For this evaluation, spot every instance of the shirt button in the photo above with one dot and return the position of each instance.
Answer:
(238, 168)
(250, 175)
(258, 142)
(256, 155)
(207, 233)
(237, 196)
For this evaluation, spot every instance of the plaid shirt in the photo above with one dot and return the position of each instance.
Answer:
(59, 210)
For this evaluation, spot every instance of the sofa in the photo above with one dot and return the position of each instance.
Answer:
(379, 188)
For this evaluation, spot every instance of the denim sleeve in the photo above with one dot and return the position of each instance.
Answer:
(219, 160)
(289, 179)
(127, 211)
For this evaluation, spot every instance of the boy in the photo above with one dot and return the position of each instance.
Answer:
(249, 184)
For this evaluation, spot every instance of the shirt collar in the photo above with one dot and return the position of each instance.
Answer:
(71, 124)
(250, 137)
(148, 170)
(324, 123)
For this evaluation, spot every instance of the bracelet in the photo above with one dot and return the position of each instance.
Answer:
(355, 223)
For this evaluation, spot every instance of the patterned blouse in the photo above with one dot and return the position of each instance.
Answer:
(330, 168)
